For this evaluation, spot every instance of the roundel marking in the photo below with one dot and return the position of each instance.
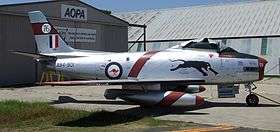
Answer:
(46, 28)
(113, 70)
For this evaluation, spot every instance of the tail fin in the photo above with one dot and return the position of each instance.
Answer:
(47, 38)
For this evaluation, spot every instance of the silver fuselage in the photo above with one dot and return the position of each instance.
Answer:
(230, 70)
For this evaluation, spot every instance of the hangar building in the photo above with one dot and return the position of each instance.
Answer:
(80, 24)
(249, 27)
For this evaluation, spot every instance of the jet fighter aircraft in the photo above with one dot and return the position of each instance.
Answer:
(153, 78)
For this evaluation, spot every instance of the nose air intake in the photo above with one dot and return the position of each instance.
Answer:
(262, 63)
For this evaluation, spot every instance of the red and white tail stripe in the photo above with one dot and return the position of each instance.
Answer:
(46, 36)
(54, 41)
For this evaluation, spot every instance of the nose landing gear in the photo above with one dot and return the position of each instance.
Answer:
(251, 99)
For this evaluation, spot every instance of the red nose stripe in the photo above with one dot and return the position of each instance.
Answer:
(262, 63)
(170, 98)
(37, 29)
(140, 63)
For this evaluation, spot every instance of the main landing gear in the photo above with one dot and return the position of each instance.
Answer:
(251, 99)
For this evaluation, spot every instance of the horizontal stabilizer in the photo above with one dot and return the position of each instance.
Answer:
(37, 57)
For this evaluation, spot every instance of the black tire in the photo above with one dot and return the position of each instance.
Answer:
(252, 100)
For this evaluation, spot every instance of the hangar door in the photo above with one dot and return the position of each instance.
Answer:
(16, 34)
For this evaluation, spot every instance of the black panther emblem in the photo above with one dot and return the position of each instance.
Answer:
(199, 65)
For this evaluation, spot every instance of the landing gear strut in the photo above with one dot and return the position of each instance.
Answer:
(251, 99)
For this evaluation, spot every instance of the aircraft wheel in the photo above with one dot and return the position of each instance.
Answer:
(252, 100)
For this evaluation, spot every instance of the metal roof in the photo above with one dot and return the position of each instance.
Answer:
(247, 19)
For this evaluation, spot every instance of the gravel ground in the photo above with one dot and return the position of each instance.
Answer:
(216, 111)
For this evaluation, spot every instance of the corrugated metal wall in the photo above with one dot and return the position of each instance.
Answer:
(241, 19)
(112, 36)
(16, 69)
(16, 34)
(108, 37)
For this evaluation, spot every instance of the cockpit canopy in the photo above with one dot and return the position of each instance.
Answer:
(206, 44)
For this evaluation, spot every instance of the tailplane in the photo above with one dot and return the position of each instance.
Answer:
(46, 36)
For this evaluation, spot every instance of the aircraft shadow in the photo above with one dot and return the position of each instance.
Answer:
(227, 104)
(108, 102)
(67, 99)
(105, 118)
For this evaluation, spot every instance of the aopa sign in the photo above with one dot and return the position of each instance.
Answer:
(73, 12)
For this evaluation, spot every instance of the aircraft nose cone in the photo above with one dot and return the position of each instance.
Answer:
(199, 100)
(262, 63)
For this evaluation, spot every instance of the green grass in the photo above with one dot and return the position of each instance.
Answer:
(16, 114)
(37, 116)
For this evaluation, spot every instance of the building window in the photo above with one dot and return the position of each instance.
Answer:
(264, 46)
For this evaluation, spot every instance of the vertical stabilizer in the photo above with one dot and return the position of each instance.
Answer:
(47, 38)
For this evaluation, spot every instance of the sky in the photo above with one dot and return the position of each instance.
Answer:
(134, 5)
